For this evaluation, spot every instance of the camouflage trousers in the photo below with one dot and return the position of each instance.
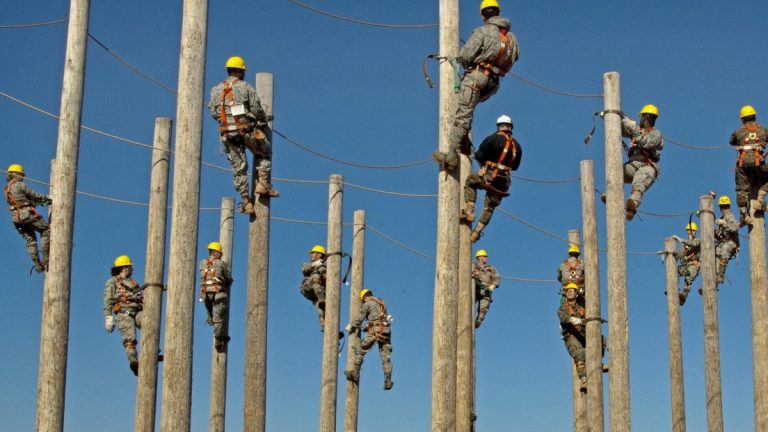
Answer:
(689, 270)
(750, 181)
(475, 87)
(724, 251)
(484, 299)
(235, 146)
(641, 176)
(576, 350)
(315, 293)
(28, 225)
(127, 323)
(385, 350)
(216, 308)
(479, 180)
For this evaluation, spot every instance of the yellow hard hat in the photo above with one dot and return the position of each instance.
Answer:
(489, 3)
(574, 249)
(16, 168)
(318, 249)
(236, 62)
(480, 253)
(650, 109)
(692, 226)
(571, 285)
(363, 293)
(746, 111)
(724, 200)
(215, 246)
(122, 261)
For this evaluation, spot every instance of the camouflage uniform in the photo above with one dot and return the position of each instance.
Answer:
(124, 297)
(574, 336)
(571, 271)
(485, 61)
(22, 200)
(313, 285)
(240, 131)
(498, 155)
(726, 241)
(644, 153)
(377, 330)
(486, 279)
(215, 280)
(751, 176)
(688, 263)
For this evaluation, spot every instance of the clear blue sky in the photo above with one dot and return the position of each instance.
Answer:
(356, 92)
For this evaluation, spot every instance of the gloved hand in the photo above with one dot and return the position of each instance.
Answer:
(109, 323)
(575, 320)
(317, 263)
(491, 287)
(47, 201)
(720, 222)
(677, 238)
(348, 328)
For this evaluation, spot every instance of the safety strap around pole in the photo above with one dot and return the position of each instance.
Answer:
(349, 263)
(454, 65)
(600, 114)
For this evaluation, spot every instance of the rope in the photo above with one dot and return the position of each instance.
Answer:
(385, 192)
(399, 243)
(662, 215)
(356, 21)
(532, 180)
(134, 68)
(549, 89)
(298, 221)
(38, 24)
(694, 147)
(343, 162)
(528, 279)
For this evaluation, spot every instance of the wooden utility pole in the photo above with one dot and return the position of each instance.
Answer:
(590, 255)
(618, 328)
(711, 330)
(332, 306)
(218, 405)
(465, 364)
(447, 255)
(759, 300)
(675, 338)
(182, 271)
(579, 398)
(54, 326)
(255, 401)
(154, 272)
(358, 260)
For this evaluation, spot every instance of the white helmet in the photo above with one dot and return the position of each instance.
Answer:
(504, 119)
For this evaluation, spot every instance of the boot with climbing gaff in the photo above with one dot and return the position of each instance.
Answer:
(448, 161)
(388, 381)
(264, 187)
(477, 232)
(247, 206)
(468, 212)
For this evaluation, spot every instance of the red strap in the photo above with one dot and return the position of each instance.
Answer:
(227, 92)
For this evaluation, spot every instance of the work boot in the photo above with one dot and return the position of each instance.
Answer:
(631, 209)
(468, 212)
(480, 318)
(135, 367)
(247, 206)
(263, 187)
(352, 375)
(448, 161)
(755, 208)
(477, 232)
(209, 321)
(683, 296)
(388, 382)
(583, 386)
(220, 343)
(39, 267)
(744, 218)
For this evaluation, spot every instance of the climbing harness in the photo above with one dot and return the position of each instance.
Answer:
(438, 57)
(573, 275)
(376, 327)
(135, 297)
(209, 279)
(500, 65)
(498, 167)
(751, 143)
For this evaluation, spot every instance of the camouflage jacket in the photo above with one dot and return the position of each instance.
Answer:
(571, 270)
(744, 138)
(691, 250)
(242, 95)
(485, 43)
(314, 273)
(728, 231)
(485, 276)
(646, 143)
(122, 295)
(568, 310)
(375, 312)
(214, 275)
(22, 200)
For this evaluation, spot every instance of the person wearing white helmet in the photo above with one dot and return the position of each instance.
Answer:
(21, 203)
(215, 282)
(498, 155)
(688, 262)
(237, 108)
(487, 56)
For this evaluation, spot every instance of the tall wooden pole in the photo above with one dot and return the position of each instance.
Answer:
(590, 254)
(255, 402)
(465, 320)
(711, 330)
(154, 272)
(447, 258)
(579, 399)
(759, 299)
(54, 326)
(675, 338)
(618, 327)
(218, 404)
(332, 306)
(358, 260)
(182, 265)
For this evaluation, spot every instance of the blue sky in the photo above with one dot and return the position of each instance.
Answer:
(356, 92)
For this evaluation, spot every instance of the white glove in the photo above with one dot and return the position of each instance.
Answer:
(348, 328)
(109, 323)
(720, 222)
(575, 320)
(390, 318)
(491, 288)
(317, 263)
